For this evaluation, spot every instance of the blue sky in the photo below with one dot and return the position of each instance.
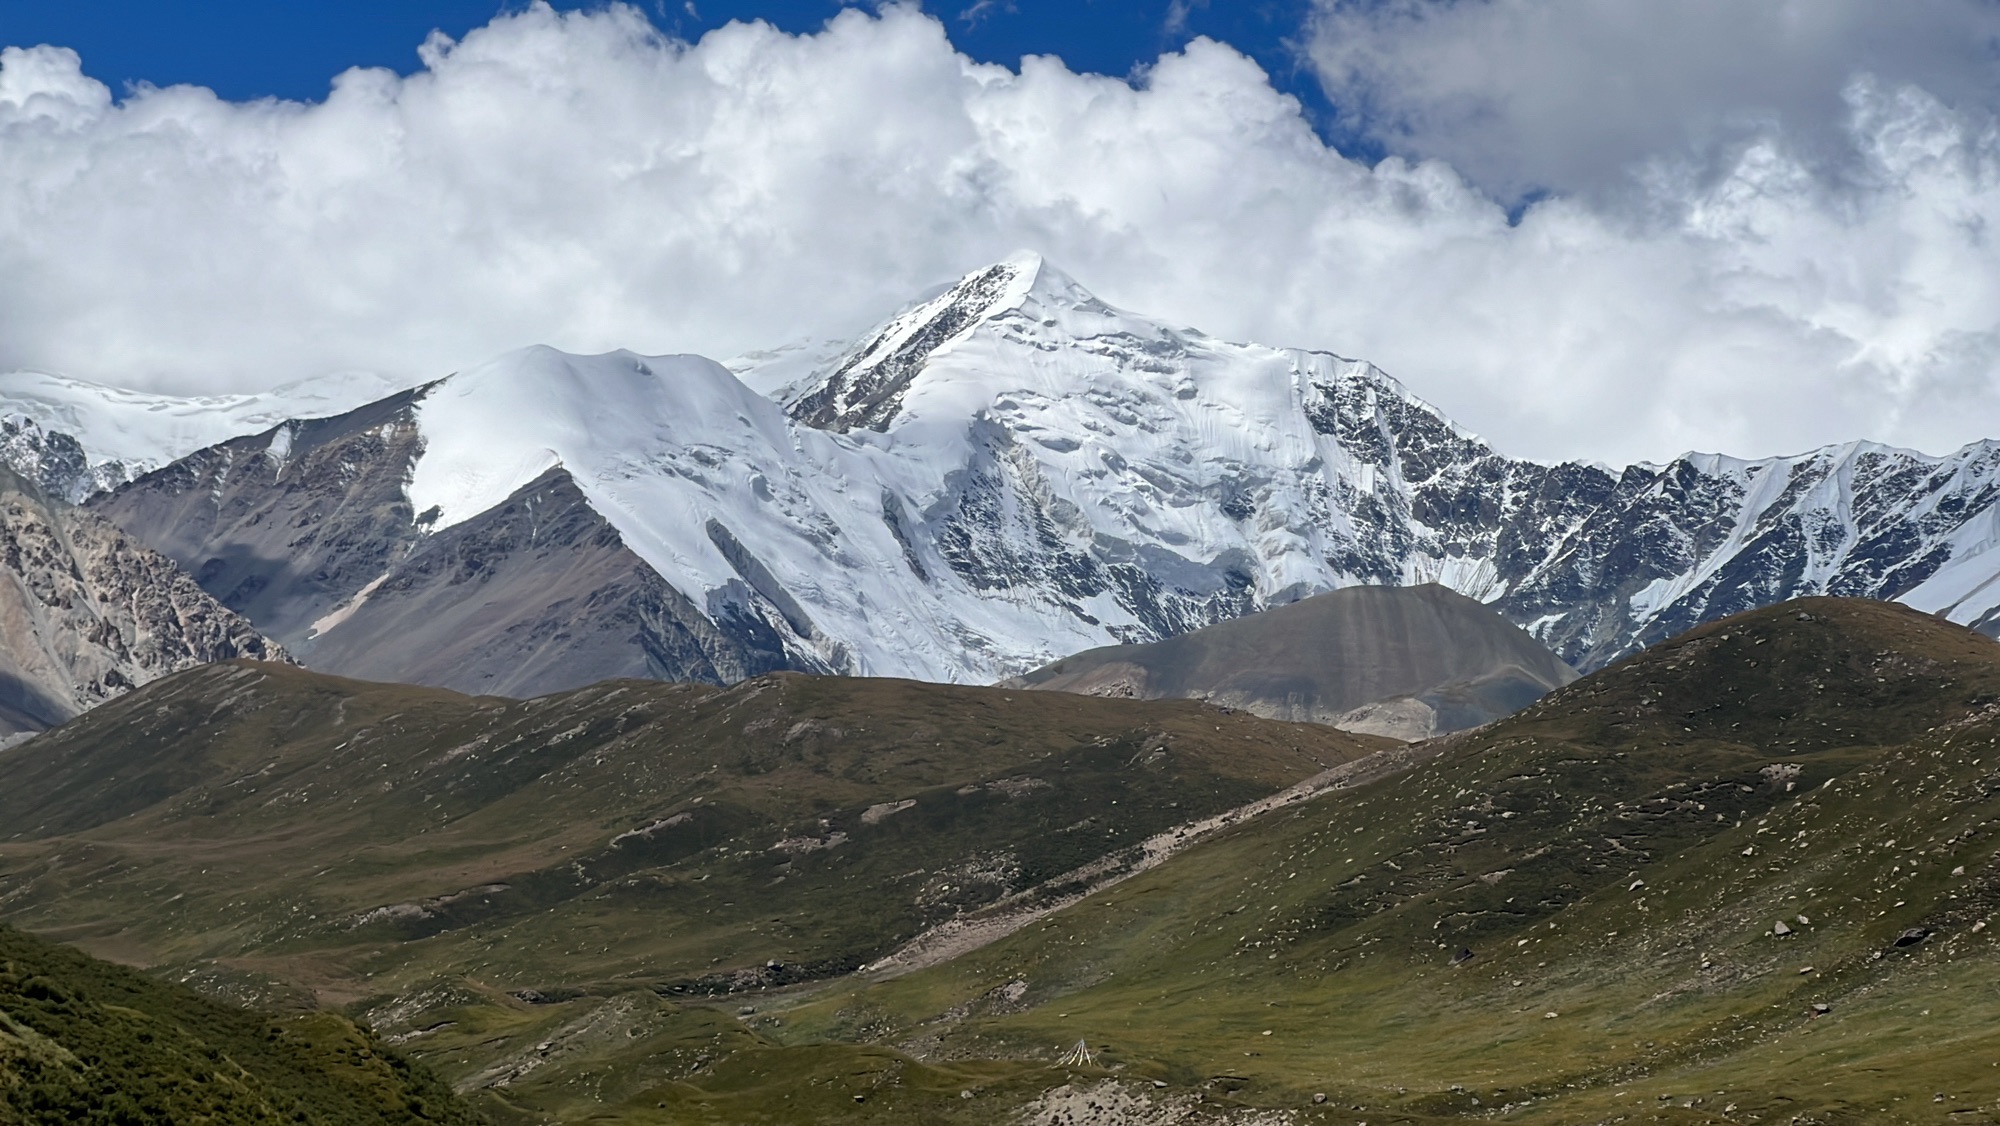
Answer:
(254, 48)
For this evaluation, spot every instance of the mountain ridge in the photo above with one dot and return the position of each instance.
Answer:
(1012, 471)
(1744, 876)
(76, 439)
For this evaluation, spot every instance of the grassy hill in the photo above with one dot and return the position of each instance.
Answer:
(1573, 916)
(1747, 876)
(476, 875)
(85, 1041)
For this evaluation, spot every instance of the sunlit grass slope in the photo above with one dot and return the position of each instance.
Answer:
(1746, 876)
(1573, 915)
(85, 1041)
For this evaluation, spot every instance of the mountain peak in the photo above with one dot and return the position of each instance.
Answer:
(493, 429)
(1024, 262)
(867, 389)
(1038, 279)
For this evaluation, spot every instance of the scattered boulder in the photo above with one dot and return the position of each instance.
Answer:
(1781, 930)
(1464, 955)
(875, 813)
(1912, 936)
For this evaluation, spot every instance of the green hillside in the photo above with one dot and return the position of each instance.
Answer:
(85, 1041)
(1573, 915)
(1745, 877)
(475, 875)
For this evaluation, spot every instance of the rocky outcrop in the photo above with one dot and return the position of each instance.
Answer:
(54, 461)
(87, 613)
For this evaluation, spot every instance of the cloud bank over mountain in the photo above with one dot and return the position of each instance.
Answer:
(1792, 273)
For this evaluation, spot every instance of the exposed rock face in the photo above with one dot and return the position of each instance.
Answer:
(1407, 662)
(87, 613)
(286, 525)
(867, 389)
(54, 461)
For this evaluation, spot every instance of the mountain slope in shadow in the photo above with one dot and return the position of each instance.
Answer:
(1406, 662)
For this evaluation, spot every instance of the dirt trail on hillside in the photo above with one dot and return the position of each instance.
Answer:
(990, 924)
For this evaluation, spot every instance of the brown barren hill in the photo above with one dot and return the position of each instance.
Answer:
(1407, 662)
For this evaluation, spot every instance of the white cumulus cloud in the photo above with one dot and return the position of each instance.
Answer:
(580, 180)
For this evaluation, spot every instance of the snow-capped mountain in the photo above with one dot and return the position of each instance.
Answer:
(1004, 473)
(1192, 478)
(75, 439)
